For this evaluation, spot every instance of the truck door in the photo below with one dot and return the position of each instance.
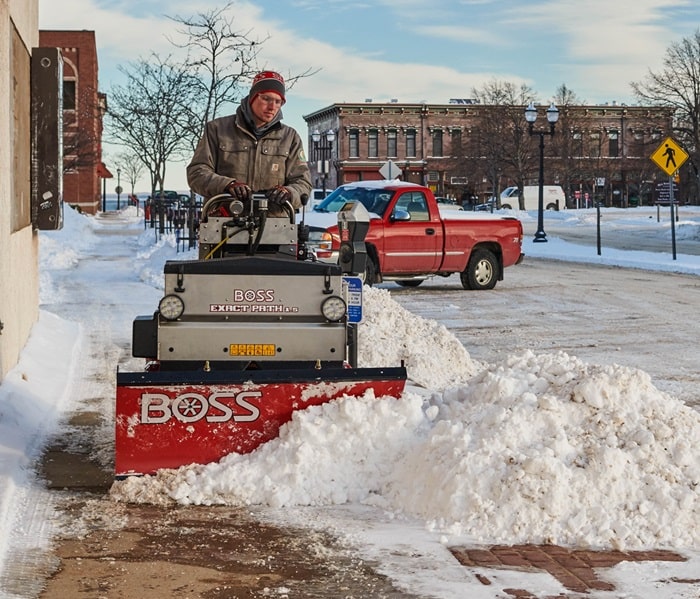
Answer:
(413, 245)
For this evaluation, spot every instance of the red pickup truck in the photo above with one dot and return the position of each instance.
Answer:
(411, 237)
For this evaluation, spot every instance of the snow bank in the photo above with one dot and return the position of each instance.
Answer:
(539, 448)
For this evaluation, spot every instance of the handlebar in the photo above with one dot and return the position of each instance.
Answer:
(234, 207)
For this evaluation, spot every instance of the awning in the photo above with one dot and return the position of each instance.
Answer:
(103, 171)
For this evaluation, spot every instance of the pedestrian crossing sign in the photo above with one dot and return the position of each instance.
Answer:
(669, 156)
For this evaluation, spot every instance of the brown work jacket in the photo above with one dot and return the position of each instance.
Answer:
(229, 152)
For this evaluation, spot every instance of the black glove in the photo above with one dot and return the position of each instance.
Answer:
(239, 190)
(279, 195)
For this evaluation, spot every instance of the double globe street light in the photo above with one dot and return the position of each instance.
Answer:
(552, 118)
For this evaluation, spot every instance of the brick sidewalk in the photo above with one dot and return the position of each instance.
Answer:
(574, 569)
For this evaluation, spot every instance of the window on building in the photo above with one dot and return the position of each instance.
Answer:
(457, 149)
(68, 94)
(373, 143)
(411, 143)
(354, 143)
(613, 144)
(595, 145)
(391, 143)
(437, 142)
(637, 147)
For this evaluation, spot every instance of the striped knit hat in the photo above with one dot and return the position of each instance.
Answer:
(267, 81)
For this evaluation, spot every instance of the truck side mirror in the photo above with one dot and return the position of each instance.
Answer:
(353, 224)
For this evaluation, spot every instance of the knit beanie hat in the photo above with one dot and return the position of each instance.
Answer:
(267, 81)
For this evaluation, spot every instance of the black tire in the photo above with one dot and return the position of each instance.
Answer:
(481, 272)
(410, 283)
(506, 206)
(370, 272)
(552, 207)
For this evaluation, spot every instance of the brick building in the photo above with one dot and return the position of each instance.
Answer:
(19, 241)
(467, 148)
(83, 109)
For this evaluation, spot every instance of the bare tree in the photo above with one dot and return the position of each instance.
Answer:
(677, 85)
(160, 113)
(567, 142)
(149, 114)
(132, 167)
(223, 61)
(502, 139)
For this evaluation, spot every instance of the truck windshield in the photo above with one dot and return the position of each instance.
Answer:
(375, 200)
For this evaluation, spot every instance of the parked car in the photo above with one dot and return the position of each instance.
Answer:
(410, 238)
(447, 203)
(167, 197)
(488, 206)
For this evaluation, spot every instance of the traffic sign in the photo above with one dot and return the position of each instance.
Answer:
(669, 156)
(390, 170)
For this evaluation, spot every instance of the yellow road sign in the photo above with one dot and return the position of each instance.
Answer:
(669, 156)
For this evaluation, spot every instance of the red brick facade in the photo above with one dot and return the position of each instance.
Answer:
(451, 147)
(83, 108)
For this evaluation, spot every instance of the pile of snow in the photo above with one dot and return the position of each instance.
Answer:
(537, 449)
(390, 334)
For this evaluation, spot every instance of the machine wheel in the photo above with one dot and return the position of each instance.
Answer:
(481, 272)
(552, 207)
(370, 272)
(410, 283)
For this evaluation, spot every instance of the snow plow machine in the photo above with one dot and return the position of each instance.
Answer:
(243, 336)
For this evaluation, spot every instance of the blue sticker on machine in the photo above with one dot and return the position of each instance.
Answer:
(353, 295)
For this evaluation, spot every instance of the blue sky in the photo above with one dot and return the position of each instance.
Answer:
(411, 50)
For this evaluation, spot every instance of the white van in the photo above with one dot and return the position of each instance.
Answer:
(553, 197)
(317, 197)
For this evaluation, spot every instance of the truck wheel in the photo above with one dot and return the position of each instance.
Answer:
(370, 272)
(481, 272)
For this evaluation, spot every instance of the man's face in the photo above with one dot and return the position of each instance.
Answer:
(265, 107)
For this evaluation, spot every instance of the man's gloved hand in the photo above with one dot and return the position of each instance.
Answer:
(239, 190)
(279, 195)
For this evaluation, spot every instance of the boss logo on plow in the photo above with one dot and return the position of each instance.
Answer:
(158, 408)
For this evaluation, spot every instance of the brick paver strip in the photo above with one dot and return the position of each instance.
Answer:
(573, 568)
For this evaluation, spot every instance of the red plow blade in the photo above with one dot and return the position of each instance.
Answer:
(172, 419)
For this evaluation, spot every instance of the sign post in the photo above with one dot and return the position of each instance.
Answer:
(669, 157)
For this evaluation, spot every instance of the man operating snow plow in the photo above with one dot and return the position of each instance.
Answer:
(251, 331)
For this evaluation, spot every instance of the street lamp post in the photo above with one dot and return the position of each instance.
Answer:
(552, 118)
(323, 153)
(119, 188)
